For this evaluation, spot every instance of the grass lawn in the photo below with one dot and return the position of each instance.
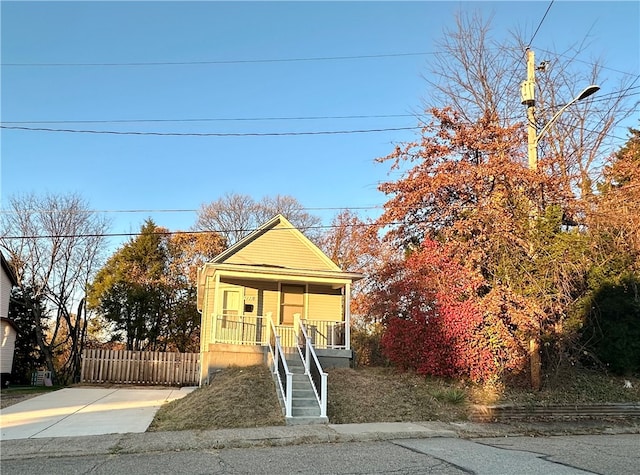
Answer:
(237, 397)
(245, 397)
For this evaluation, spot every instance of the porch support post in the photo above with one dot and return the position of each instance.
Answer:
(347, 316)
(216, 307)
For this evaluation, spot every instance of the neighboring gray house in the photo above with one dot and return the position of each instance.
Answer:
(8, 331)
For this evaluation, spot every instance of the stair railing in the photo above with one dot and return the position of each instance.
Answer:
(284, 377)
(313, 369)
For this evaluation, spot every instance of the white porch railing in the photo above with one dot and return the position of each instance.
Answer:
(313, 368)
(326, 334)
(252, 330)
(302, 335)
(239, 330)
(279, 368)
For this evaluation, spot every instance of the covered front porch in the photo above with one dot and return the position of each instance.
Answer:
(244, 340)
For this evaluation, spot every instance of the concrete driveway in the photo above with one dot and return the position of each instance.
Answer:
(85, 411)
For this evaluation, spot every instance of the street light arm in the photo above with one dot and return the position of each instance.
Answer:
(553, 119)
(585, 93)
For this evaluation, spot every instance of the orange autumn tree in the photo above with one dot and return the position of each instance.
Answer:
(467, 192)
(615, 217)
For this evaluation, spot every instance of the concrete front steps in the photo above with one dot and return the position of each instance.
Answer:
(305, 407)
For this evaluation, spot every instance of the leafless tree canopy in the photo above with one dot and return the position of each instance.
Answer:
(235, 215)
(480, 77)
(55, 244)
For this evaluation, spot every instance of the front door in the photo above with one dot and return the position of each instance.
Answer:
(291, 302)
(230, 306)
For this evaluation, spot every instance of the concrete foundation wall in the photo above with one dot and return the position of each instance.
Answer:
(221, 356)
(335, 358)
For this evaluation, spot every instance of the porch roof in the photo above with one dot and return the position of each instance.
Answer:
(272, 273)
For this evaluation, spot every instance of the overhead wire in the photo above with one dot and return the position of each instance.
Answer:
(603, 97)
(212, 134)
(231, 61)
(171, 233)
(180, 210)
(210, 119)
(540, 24)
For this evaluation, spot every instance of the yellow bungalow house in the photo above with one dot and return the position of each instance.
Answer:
(275, 298)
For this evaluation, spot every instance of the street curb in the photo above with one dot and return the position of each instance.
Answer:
(190, 440)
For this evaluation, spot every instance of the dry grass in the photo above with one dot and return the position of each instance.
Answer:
(386, 395)
(245, 397)
(237, 397)
(577, 387)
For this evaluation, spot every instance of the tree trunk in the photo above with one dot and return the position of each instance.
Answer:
(44, 347)
(534, 358)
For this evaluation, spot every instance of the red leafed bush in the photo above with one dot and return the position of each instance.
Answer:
(442, 330)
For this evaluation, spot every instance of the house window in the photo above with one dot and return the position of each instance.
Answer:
(291, 302)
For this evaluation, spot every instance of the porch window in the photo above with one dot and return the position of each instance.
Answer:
(291, 302)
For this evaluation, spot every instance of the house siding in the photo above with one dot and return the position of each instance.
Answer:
(5, 289)
(280, 247)
(8, 340)
(322, 302)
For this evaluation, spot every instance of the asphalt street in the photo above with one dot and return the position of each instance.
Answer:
(601, 454)
(104, 431)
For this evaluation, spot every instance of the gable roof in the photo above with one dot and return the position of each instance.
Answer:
(275, 251)
(277, 243)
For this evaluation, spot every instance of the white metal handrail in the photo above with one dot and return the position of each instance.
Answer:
(314, 371)
(280, 366)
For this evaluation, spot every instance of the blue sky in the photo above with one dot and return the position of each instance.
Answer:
(323, 172)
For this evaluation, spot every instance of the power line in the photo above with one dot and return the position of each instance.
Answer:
(590, 63)
(171, 233)
(540, 24)
(231, 61)
(209, 119)
(53, 211)
(275, 60)
(211, 134)
(601, 97)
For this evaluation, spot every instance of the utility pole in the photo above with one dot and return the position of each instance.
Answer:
(527, 92)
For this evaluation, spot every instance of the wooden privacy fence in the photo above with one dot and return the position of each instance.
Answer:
(140, 367)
